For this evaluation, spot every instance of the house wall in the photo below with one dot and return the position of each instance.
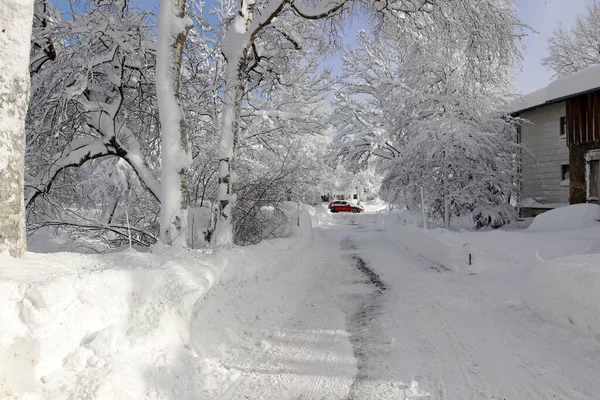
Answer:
(583, 116)
(578, 188)
(542, 168)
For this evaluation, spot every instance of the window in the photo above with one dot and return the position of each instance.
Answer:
(593, 175)
(563, 126)
(564, 172)
(593, 184)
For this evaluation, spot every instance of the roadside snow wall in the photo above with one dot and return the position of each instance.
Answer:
(567, 291)
(116, 326)
(429, 246)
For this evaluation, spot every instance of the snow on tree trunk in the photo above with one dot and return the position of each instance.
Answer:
(234, 92)
(16, 19)
(446, 199)
(240, 36)
(235, 50)
(175, 156)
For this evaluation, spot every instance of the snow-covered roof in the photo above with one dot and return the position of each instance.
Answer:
(562, 88)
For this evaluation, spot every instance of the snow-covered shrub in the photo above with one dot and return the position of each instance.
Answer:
(494, 216)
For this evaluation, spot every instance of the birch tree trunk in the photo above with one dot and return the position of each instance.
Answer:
(16, 19)
(234, 92)
(446, 198)
(235, 51)
(236, 46)
(175, 156)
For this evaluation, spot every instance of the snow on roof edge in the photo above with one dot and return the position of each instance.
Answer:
(576, 83)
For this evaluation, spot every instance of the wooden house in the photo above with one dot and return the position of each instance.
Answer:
(562, 162)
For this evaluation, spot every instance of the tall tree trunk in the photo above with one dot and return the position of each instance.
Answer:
(175, 155)
(236, 54)
(234, 92)
(446, 199)
(16, 20)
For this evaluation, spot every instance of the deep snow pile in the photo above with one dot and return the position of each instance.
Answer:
(562, 289)
(567, 290)
(577, 216)
(97, 326)
(116, 326)
(562, 232)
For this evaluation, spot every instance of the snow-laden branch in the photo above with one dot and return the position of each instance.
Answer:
(323, 9)
(73, 156)
(125, 145)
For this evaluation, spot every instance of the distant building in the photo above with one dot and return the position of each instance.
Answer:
(562, 164)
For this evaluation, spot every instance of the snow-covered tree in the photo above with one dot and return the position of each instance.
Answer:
(172, 31)
(486, 27)
(241, 52)
(42, 44)
(95, 102)
(578, 48)
(15, 43)
(431, 112)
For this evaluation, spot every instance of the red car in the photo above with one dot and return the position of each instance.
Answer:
(344, 206)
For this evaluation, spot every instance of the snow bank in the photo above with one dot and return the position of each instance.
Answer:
(114, 326)
(375, 205)
(571, 217)
(567, 291)
(427, 243)
(563, 232)
(98, 328)
(320, 215)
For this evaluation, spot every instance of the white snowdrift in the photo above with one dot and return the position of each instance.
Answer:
(115, 326)
(427, 243)
(98, 333)
(572, 217)
(567, 291)
(558, 233)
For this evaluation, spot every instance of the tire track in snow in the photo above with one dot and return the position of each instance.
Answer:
(361, 322)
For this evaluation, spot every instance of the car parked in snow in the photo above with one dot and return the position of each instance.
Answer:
(344, 206)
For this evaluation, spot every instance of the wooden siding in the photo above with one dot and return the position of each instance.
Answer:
(583, 119)
(547, 151)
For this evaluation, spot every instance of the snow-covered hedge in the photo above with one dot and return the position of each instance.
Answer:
(567, 291)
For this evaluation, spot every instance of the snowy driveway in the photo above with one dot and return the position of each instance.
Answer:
(364, 319)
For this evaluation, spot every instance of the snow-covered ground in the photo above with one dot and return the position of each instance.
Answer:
(351, 314)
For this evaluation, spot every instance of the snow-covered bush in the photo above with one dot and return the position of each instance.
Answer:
(494, 216)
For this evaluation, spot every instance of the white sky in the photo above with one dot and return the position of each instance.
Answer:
(543, 16)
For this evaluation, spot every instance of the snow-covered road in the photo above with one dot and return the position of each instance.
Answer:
(365, 319)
